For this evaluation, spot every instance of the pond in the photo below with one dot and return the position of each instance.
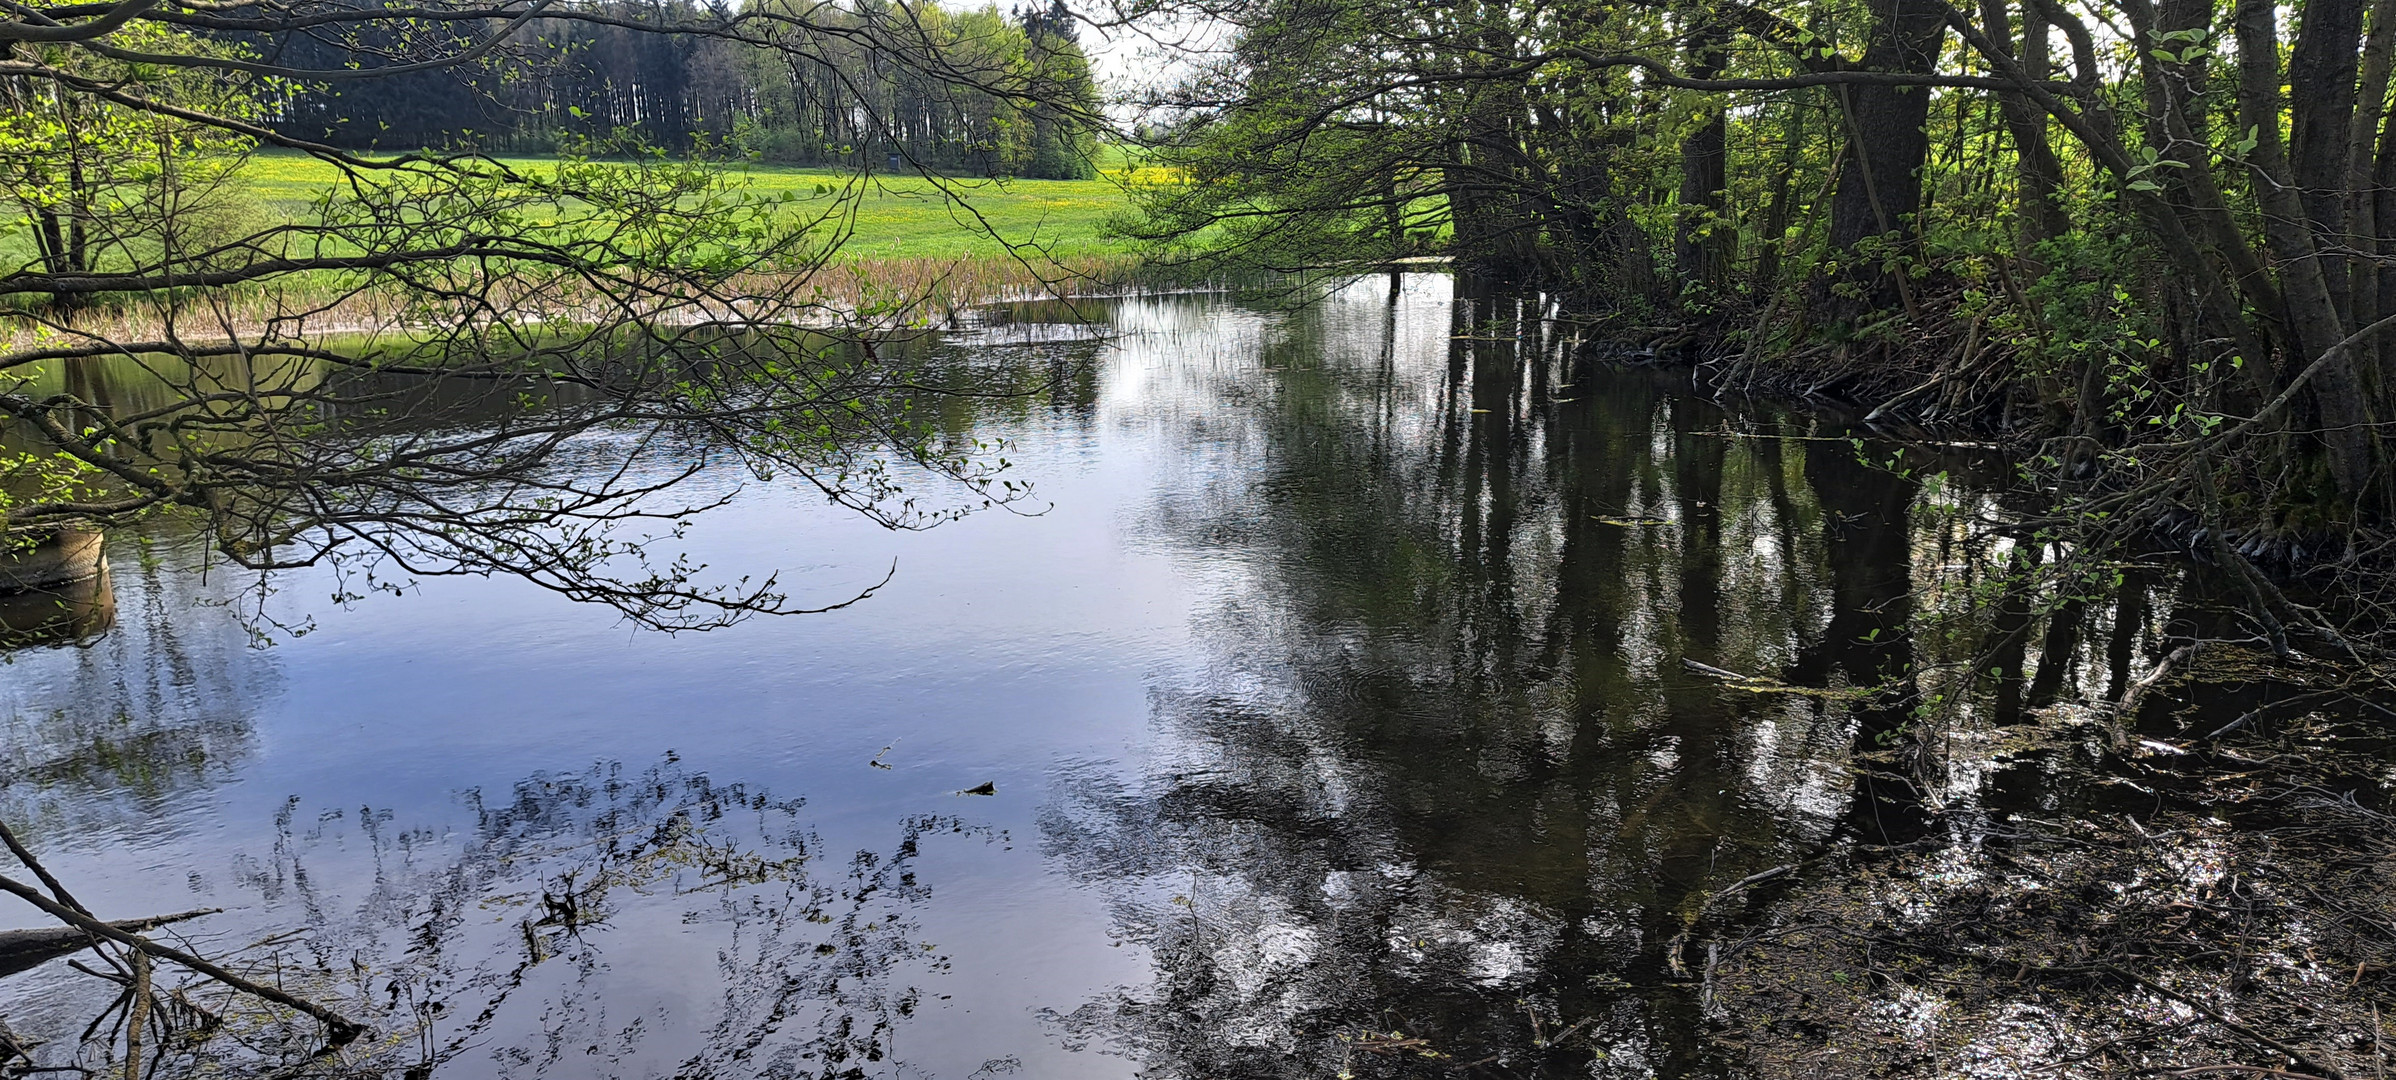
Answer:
(1330, 714)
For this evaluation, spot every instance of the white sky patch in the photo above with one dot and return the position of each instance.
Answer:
(1140, 59)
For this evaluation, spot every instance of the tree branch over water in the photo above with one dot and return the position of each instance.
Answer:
(451, 363)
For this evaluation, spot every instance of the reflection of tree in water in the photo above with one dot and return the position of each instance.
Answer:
(96, 734)
(1448, 780)
(496, 952)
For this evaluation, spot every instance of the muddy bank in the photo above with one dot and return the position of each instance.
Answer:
(2123, 900)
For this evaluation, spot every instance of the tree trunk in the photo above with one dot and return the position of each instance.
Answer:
(2037, 173)
(1776, 210)
(2314, 322)
(1888, 141)
(2321, 72)
(2383, 216)
(2363, 201)
(1880, 187)
(1702, 249)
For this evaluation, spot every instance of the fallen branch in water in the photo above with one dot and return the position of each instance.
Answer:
(24, 950)
(1674, 960)
(1719, 673)
(342, 1028)
(1757, 684)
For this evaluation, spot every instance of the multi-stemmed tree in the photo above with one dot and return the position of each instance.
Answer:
(2150, 242)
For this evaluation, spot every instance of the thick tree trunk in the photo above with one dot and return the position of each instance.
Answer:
(2189, 75)
(2365, 223)
(2383, 216)
(2194, 191)
(2037, 173)
(1493, 236)
(1703, 247)
(2321, 77)
(1888, 141)
(1880, 187)
(2173, 76)
(24, 950)
(1776, 210)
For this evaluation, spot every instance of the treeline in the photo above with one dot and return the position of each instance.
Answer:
(2152, 240)
(797, 82)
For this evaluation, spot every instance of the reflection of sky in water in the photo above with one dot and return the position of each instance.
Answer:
(1318, 696)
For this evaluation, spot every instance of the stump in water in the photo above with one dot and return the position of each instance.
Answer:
(54, 587)
(50, 558)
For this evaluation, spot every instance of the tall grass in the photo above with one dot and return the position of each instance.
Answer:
(864, 292)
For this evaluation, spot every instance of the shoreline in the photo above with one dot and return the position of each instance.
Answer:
(895, 293)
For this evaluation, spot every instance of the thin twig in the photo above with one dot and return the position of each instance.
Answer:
(2299, 1056)
(60, 891)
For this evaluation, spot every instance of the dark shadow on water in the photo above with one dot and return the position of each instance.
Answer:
(74, 613)
(1451, 791)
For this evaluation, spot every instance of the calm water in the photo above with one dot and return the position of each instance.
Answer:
(1337, 696)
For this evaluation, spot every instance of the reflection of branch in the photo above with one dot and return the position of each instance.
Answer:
(2127, 707)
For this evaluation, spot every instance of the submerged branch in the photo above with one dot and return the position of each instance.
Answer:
(341, 1029)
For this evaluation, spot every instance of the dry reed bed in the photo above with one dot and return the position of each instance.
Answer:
(864, 294)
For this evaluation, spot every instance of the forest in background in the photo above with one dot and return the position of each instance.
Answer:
(995, 94)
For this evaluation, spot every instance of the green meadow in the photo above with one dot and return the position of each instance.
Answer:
(937, 244)
(898, 216)
(932, 245)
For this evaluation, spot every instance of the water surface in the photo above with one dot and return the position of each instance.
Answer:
(1334, 708)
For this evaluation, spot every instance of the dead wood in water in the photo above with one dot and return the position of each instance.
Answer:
(342, 1028)
(62, 905)
(1757, 684)
(24, 950)
(2130, 699)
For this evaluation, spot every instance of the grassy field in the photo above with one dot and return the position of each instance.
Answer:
(897, 217)
(932, 246)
